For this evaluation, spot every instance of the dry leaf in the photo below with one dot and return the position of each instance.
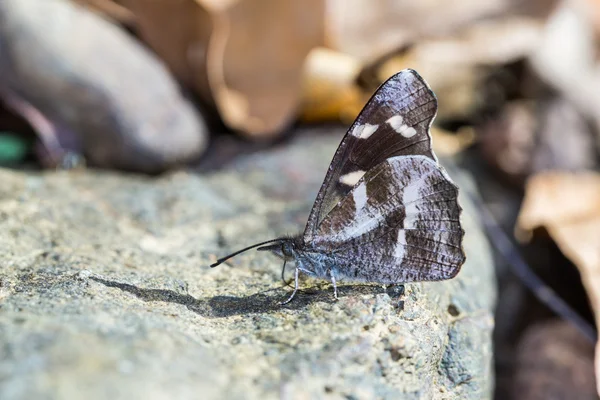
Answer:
(568, 206)
(453, 65)
(110, 9)
(566, 58)
(447, 143)
(449, 44)
(330, 90)
(179, 31)
(369, 29)
(243, 56)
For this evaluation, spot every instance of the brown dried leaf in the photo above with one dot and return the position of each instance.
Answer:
(179, 31)
(330, 91)
(263, 59)
(243, 56)
(110, 9)
(369, 29)
(448, 143)
(566, 57)
(568, 206)
(453, 65)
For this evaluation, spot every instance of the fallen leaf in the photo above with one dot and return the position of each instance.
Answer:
(179, 31)
(245, 57)
(447, 143)
(330, 90)
(369, 29)
(455, 66)
(567, 205)
(110, 9)
(566, 57)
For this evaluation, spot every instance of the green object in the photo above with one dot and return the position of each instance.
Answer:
(13, 147)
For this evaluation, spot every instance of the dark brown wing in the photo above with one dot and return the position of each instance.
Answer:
(400, 223)
(394, 122)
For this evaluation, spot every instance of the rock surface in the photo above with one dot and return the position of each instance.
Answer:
(105, 292)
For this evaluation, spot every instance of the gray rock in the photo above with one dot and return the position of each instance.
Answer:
(87, 85)
(106, 293)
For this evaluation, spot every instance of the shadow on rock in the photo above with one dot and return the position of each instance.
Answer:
(263, 302)
(164, 295)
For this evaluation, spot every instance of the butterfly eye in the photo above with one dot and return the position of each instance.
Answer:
(286, 249)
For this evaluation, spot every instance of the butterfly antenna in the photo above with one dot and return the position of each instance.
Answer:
(223, 259)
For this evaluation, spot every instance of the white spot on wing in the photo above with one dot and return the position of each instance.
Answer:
(364, 131)
(410, 198)
(408, 131)
(400, 249)
(351, 178)
(368, 130)
(357, 131)
(397, 124)
(360, 196)
(363, 221)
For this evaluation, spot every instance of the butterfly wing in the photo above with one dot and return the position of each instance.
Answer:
(400, 223)
(395, 121)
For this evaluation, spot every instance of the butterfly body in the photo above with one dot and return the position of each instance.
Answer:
(387, 212)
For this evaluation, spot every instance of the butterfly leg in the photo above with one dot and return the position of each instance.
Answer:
(332, 276)
(286, 283)
(295, 288)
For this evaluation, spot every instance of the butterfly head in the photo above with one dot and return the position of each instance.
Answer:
(285, 249)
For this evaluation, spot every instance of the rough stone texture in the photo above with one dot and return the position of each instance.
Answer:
(105, 293)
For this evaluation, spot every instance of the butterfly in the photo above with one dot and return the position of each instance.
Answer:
(387, 212)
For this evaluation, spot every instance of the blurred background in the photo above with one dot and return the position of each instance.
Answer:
(152, 85)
